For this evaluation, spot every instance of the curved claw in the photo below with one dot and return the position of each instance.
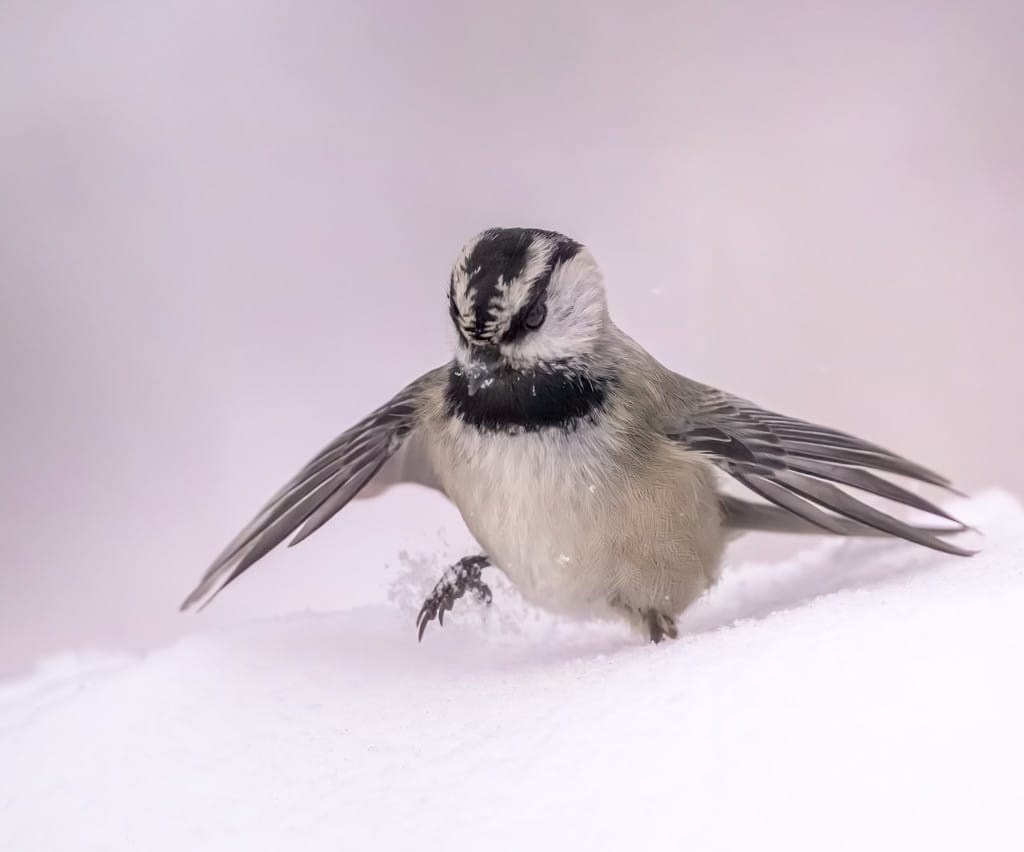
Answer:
(462, 577)
(426, 615)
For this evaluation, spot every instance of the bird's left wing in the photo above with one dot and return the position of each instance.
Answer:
(799, 465)
(322, 488)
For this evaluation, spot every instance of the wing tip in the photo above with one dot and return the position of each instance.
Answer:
(795, 491)
(201, 596)
(194, 602)
(299, 537)
(953, 550)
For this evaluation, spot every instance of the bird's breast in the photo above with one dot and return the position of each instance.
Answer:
(538, 503)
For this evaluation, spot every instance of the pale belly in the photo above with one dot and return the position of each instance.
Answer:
(572, 529)
(544, 535)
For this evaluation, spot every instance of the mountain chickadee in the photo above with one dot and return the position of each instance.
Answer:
(584, 468)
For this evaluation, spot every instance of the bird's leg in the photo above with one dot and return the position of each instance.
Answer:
(462, 577)
(653, 624)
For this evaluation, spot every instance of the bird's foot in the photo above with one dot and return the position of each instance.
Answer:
(659, 626)
(652, 623)
(462, 577)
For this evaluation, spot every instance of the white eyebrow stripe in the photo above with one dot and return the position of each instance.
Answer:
(460, 284)
(512, 296)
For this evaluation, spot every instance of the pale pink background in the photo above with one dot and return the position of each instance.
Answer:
(226, 230)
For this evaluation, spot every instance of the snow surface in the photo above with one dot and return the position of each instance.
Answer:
(864, 695)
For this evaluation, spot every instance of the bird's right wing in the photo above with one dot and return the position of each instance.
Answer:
(324, 486)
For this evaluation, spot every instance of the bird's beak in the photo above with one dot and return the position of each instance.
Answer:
(479, 372)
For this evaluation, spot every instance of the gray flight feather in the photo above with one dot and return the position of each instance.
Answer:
(797, 465)
(323, 487)
(742, 516)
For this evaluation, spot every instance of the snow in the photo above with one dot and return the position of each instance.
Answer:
(866, 694)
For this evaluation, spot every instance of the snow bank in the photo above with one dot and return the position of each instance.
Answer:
(864, 695)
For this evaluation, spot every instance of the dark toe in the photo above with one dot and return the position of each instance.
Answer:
(660, 626)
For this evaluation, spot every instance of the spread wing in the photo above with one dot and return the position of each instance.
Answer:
(799, 466)
(323, 487)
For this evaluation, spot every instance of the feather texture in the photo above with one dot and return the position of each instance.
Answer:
(316, 493)
(798, 466)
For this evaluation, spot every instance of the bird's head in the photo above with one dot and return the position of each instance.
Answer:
(523, 299)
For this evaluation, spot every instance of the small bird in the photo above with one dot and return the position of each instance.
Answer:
(586, 470)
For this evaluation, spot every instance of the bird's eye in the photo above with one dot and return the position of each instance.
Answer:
(535, 318)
